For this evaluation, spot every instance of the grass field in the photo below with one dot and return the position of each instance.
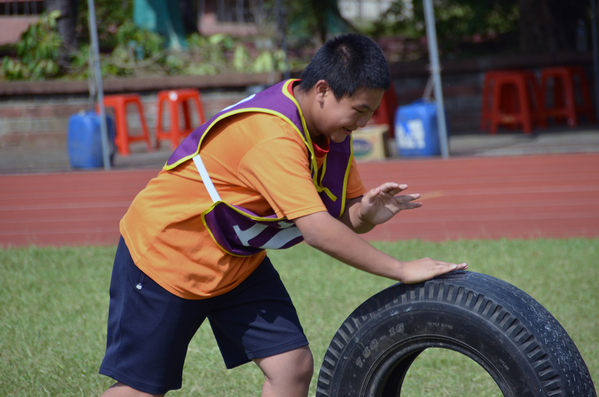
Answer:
(53, 309)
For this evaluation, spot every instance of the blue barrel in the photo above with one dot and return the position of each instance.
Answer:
(84, 140)
(417, 130)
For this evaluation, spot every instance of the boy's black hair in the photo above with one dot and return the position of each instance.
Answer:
(347, 63)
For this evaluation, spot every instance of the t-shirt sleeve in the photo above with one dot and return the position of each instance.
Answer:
(278, 168)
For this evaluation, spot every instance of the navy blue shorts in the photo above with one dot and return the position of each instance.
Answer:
(149, 329)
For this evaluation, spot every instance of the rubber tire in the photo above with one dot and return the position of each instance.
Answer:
(515, 339)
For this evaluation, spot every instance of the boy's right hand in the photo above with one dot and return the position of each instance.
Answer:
(426, 268)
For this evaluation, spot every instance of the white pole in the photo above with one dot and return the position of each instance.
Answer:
(431, 33)
(93, 32)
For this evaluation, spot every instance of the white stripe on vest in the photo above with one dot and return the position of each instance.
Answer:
(288, 230)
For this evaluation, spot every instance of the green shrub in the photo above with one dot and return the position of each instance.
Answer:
(37, 51)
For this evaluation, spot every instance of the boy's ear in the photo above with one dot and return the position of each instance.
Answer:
(321, 89)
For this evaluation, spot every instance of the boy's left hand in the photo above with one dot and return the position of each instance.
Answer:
(382, 203)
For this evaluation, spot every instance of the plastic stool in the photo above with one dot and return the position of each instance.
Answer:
(487, 90)
(506, 102)
(385, 114)
(122, 139)
(174, 98)
(564, 105)
(515, 100)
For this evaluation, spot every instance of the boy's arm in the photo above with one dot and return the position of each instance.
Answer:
(325, 233)
(377, 206)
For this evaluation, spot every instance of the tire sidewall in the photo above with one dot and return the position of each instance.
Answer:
(426, 325)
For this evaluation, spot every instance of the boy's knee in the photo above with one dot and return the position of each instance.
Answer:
(305, 364)
(293, 366)
(121, 390)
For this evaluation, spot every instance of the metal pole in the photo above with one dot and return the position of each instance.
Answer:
(93, 32)
(595, 40)
(431, 33)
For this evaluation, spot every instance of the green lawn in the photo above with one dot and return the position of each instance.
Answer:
(53, 308)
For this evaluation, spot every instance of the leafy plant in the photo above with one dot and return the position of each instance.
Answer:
(457, 22)
(143, 42)
(269, 61)
(37, 51)
(110, 15)
(211, 49)
(138, 51)
(241, 58)
(136, 48)
(225, 54)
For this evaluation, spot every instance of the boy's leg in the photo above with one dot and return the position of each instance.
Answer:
(149, 330)
(121, 390)
(257, 322)
(287, 374)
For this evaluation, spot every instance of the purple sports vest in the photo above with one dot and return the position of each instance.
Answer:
(239, 231)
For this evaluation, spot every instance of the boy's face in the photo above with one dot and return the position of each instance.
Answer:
(337, 119)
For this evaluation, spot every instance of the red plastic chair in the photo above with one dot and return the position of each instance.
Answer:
(565, 106)
(511, 98)
(176, 99)
(123, 138)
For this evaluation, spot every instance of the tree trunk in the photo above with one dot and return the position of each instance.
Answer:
(66, 27)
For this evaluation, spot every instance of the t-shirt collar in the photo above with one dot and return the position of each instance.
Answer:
(319, 152)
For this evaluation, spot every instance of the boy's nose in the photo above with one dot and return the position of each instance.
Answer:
(363, 121)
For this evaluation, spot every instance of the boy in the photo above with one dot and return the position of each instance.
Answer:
(271, 171)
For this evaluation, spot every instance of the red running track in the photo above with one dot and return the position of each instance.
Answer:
(464, 198)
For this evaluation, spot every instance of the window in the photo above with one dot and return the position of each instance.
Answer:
(21, 7)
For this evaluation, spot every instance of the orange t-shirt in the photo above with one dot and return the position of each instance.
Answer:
(256, 161)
